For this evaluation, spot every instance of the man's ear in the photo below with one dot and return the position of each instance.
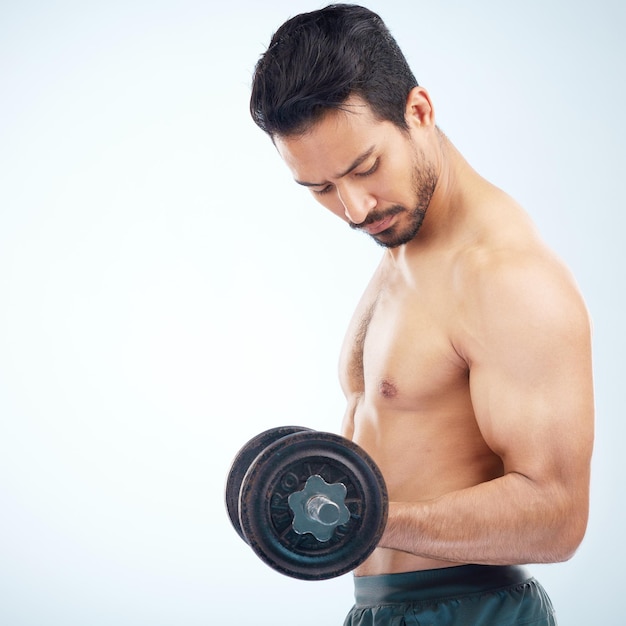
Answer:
(419, 108)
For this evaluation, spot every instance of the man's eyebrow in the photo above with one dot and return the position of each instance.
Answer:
(363, 157)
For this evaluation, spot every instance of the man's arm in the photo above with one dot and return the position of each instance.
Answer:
(526, 339)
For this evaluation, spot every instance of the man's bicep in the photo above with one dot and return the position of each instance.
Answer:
(531, 382)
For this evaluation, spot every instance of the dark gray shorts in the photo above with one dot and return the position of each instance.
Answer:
(468, 595)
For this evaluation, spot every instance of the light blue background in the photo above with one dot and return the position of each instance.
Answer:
(166, 291)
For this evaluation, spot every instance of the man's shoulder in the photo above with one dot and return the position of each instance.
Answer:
(516, 288)
(519, 264)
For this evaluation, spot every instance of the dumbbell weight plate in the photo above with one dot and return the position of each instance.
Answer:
(242, 462)
(283, 468)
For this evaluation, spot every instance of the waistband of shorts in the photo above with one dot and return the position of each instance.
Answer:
(435, 583)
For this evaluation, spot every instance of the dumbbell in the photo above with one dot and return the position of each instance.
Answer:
(312, 505)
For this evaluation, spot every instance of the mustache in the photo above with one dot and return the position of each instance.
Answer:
(377, 216)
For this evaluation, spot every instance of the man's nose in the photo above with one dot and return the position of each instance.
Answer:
(357, 203)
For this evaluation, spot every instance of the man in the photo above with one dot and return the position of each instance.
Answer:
(467, 366)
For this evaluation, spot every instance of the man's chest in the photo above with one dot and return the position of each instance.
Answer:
(399, 348)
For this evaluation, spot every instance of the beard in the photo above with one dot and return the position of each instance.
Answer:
(423, 183)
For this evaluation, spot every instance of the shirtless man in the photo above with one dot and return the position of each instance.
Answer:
(467, 365)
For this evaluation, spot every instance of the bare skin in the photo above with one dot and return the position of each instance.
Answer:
(467, 365)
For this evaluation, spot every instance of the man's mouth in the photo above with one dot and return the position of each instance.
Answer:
(378, 226)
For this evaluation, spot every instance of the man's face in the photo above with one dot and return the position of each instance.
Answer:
(369, 173)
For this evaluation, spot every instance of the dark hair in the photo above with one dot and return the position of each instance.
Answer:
(316, 61)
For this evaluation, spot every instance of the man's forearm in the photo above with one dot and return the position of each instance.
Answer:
(509, 520)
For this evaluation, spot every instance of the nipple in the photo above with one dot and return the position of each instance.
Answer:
(387, 389)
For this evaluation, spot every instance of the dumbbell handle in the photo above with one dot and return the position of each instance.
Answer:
(319, 508)
(322, 510)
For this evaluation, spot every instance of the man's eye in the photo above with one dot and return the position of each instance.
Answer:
(371, 170)
(321, 192)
